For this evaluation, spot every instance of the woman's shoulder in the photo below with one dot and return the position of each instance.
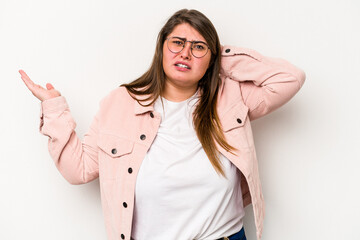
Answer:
(119, 92)
(229, 50)
(116, 97)
(238, 58)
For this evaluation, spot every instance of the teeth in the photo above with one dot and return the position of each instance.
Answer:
(182, 65)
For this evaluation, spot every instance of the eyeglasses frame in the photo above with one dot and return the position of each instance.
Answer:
(191, 47)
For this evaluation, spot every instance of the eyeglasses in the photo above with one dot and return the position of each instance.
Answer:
(198, 48)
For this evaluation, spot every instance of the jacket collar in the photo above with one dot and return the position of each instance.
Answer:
(139, 109)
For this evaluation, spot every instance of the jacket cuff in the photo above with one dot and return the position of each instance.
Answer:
(51, 105)
(54, 104)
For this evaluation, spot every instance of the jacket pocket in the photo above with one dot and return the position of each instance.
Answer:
(115, 155)
(115, 146)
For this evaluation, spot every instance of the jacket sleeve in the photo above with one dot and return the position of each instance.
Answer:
(76, 160)
(266, 83)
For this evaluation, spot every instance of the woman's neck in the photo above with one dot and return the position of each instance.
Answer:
(176, 94)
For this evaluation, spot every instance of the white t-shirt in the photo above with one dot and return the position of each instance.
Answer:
(178, 193)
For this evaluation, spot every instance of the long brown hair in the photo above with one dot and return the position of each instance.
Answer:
(151, 83)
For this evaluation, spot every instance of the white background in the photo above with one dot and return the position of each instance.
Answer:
(308, 150)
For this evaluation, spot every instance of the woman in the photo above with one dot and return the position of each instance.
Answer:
(174, 149)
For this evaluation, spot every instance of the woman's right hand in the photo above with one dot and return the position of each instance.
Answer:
(38, 91)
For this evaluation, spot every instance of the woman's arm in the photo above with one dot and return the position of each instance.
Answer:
(266, 83)
(76, 160)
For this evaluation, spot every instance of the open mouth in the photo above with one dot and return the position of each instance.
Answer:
(182, 65)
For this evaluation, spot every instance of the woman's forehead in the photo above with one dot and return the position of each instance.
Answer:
(185, 30)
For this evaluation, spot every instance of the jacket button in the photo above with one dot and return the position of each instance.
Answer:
(239, 120)
(227, 50)
(142, 137)
(113, 151)
(122, 236)
(125, 204)
(130, 170)
(151, 115)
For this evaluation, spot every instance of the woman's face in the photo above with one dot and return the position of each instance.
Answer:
(182, 69)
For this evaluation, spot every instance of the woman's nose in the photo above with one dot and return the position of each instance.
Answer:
(186, 52)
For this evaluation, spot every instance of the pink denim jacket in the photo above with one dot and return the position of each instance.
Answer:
(122, 132)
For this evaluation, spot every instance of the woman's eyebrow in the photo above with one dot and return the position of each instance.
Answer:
(185, 39)
(181, 38)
